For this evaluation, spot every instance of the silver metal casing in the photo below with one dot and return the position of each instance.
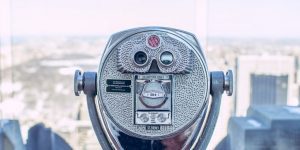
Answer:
(189, 101)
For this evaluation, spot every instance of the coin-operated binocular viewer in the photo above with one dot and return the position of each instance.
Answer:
(153, 91)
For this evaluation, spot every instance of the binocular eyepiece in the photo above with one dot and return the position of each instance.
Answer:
(153, 91)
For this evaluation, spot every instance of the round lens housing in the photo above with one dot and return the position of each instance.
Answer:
(166, 58)
(140, 58)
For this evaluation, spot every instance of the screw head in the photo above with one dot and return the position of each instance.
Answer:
(78, 82)
(228, 82)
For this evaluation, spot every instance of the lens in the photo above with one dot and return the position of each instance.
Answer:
(166, 58)
(140, 58)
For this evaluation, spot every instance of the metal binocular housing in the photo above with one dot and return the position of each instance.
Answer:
(154, 91)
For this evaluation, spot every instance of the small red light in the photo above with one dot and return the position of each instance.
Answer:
(153, 41)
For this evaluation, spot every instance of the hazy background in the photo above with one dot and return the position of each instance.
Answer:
(224, 18)
(42, 42)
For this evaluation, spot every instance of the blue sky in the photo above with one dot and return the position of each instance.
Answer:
(225, 18)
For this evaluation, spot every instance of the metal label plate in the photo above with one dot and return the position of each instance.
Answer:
(119, 89)
(118, 82)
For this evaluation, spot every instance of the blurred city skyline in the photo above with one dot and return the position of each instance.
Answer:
(43, 42)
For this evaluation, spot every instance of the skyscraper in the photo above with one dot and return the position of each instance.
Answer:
(265, 80)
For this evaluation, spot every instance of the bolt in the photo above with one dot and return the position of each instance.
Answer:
(78, 82)
(228, 82)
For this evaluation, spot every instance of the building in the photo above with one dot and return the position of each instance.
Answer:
(265, 80)
(268, 89)
(265, 127)
(10, 135)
